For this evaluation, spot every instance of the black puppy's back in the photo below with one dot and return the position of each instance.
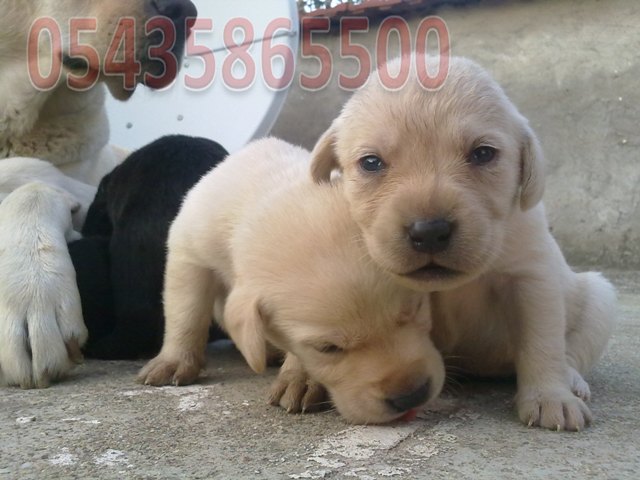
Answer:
(134, 208)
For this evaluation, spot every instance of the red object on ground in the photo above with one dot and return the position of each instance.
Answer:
(410, 415)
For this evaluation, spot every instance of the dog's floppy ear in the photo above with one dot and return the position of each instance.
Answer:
(532, 170)
(323, 157)
(245, 324)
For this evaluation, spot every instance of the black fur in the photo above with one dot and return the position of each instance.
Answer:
(120, 262)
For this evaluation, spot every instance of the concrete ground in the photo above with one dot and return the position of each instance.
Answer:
(101, 424)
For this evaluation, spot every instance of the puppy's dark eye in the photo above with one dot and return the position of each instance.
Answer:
(329, 348)
(482, 155)
(372, 164)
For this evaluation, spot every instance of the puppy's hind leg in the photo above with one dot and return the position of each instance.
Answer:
(591, 314)
(188, 309)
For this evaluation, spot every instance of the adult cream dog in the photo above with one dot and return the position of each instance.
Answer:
(58, 127)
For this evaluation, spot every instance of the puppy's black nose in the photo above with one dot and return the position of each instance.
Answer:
(405, 402)
(176, 10)
(430, 236)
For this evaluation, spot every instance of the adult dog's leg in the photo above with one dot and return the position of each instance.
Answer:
(188, 306)
(41, 326)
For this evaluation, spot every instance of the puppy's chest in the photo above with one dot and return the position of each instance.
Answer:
(471, 325)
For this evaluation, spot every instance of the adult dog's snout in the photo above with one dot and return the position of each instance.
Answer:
(176, 10)
(407, 401)
(430, 235)
(179, 13)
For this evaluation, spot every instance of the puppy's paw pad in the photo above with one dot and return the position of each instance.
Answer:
(170, 371)
(297, 394)
(555, 410)
(316, 398)
(579, 386)
(290, 397)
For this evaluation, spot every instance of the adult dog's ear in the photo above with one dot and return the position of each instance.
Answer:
(532, 169)
(245, 324)
(324, 159)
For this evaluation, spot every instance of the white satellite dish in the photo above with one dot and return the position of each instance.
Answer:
(234, 106)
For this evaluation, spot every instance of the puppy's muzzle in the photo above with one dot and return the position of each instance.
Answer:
(406, 402)
(430, 235)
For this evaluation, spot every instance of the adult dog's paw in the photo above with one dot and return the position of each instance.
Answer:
(41, 328)
(555, 408)
(294, 391)
(168, 369)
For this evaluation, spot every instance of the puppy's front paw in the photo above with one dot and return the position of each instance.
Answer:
(579, 386)
(556, 408)
(167, 369)
(297, 393)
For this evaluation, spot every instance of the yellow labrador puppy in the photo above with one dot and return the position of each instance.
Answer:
(298, 277)
(446, 186)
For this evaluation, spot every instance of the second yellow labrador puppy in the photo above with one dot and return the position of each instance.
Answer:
(446, 187)
(289, 264)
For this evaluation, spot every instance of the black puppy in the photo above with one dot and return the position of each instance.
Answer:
(120, 261)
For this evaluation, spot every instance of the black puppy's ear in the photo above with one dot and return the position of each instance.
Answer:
(532, 169)
(324, 159)
(245, 324)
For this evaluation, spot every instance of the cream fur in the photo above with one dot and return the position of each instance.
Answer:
(67, 128)
(299, 278)
(41, 327)
(507, 301)
(15, 172)
(58, 137)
